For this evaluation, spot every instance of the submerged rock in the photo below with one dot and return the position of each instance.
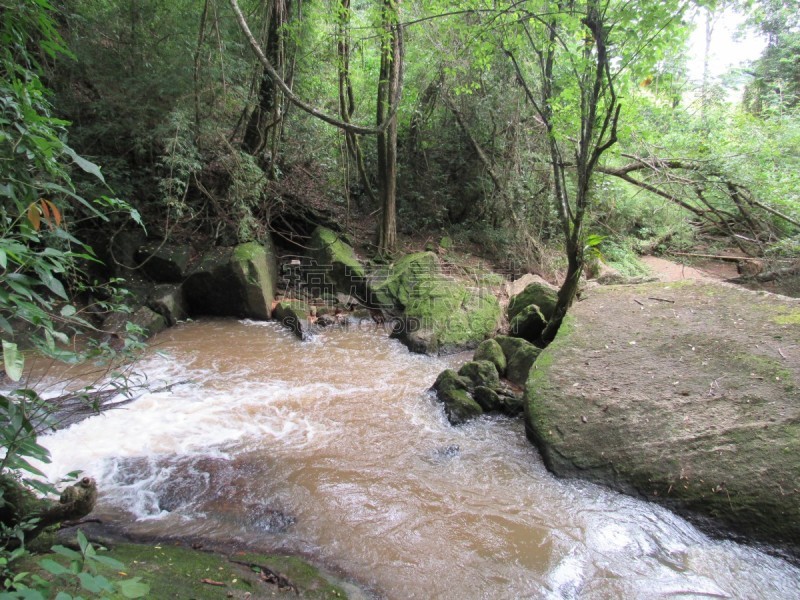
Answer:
(294, 315)
(684, 394)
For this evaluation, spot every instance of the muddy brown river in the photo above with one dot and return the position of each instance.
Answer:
(332, 448)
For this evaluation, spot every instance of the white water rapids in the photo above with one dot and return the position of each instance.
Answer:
(332, 448)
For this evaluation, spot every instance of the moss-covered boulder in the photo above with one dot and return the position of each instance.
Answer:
(490, 350)
(440, 313)
(338, 264)
(488, 399)
(293, 314)
(528, 324)
(163, 262)
(685, 394)
(453, 390)
(235, 281)
(520, 356)
(480, 373)
(539, 294)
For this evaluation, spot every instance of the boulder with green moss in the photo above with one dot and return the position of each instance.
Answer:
(480, 373)
(293, 314)
(490, 350)
(452, 390)
(540, 294)
(233, 281)
(440, 313)
(528, 324)
(685, 394)
(339, 263)
(520, 356)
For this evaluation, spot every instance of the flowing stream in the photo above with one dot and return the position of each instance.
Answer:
(334, 449)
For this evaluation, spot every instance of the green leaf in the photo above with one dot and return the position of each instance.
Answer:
(82, 541)
(53, 567)
(66, 552)
(68, 310)
(13, 361)
(84, 164)
(90, 582)
(63, 596)
(3, 259)
(133, 588)
(112, 563)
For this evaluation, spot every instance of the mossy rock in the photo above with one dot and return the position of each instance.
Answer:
(520, 356)
(481, 373)
(294, 315)
(688, 403)
(442, 314)
(488, 399)
(528, 324)
(538, 294)
(394, 285)
(338, 262)
(490, 350)
(452, 390)
(234, 281)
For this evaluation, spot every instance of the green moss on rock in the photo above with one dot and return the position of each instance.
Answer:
(528, 324)
(346, 272)
(481, 373)
(490, 350)
(520, 356)
(538, 294)
(698, 414)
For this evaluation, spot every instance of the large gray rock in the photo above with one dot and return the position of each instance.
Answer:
(168, 301)
(684, 394)
(164, 262)
(237, 282)
(144, 318)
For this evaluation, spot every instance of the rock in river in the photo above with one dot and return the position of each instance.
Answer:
(686, 394)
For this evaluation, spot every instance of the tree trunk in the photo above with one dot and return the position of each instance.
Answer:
(266, 114)
(388, 92)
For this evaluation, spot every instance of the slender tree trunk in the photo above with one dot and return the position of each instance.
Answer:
(266, 114)
(388, 92)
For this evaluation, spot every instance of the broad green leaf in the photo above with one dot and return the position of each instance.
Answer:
(66, 552)
(68, 310)
(113, 563)
(133, 588)
(53, 567)
(13, 361)
(84, 164)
